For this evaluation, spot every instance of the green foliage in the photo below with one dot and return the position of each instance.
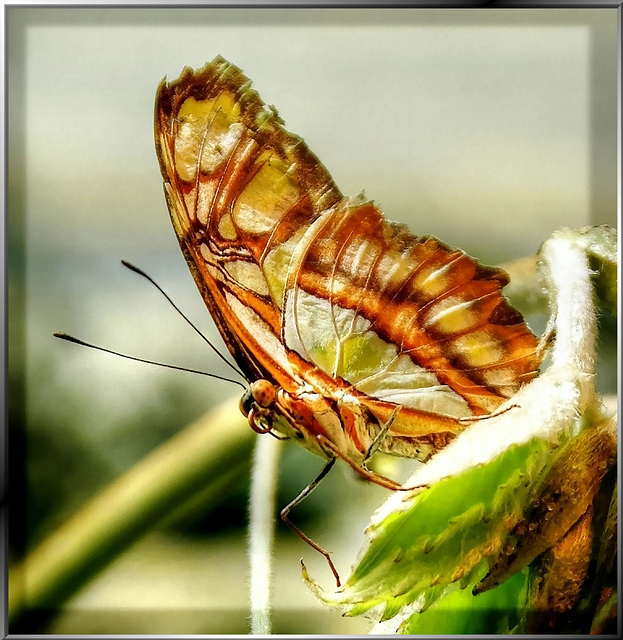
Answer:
(461, 612)
(444, 534)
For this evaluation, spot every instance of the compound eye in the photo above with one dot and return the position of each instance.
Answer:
(263, 393)
(246, 402)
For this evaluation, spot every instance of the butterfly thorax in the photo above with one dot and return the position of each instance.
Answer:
(311, 418)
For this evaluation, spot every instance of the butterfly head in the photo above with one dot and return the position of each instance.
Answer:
(261, 394)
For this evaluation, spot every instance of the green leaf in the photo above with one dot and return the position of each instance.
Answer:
(565, 491)
(443, 535)
(606, 611)
(460, 612)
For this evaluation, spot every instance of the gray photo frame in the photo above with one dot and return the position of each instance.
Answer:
(487, 127)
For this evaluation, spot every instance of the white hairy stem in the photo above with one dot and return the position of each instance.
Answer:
(262, 507)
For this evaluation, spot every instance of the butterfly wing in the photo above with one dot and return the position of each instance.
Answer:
(404, 320)
(309, 287)
(240, 189)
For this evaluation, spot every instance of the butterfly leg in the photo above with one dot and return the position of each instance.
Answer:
(380, 436)
(277, 436)
(301, 496)
(367, 474)
(493, 414)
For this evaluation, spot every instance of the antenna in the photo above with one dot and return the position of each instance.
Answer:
(140, 272)
(65, 336)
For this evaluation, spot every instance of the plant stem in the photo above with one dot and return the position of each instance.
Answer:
(262, 505)
(568, 274)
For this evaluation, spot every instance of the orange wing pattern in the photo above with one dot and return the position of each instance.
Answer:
(309, 287)
(236, 184)
(439, 305)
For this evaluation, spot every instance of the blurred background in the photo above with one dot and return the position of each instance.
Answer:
(486, 128)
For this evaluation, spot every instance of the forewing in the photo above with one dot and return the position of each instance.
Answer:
(241, 190)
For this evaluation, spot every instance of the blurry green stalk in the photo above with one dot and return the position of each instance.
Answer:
(201, 460)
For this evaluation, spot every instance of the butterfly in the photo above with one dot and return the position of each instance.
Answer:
(354, 335)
